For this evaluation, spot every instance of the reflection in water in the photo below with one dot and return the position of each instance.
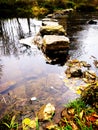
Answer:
(13, 29)
(20, 31)
(23, 70)
(8, 43)
(59, 58)
(83, 36)
(1, 67)
(86, 43)
(91, 41)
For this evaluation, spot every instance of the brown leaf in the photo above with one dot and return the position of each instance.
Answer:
(74, 126)
(95, 115)
(71, 111)
(91, 118)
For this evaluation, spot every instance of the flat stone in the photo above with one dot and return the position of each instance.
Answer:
(52, 30)
(61, 13)
(49, 19)
(55, 43)
(50, 23)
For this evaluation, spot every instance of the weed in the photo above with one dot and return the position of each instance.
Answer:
(82, 125)
(37, 124)
(13, 124)
(78, 105)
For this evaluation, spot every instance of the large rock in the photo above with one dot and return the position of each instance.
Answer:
(49, 22)
(74, 71)
(55, 43)
(49, 19)
(89, 76)
(90, 95)
(61, 13)
(46, 112)
(92, 22)
(52, 30)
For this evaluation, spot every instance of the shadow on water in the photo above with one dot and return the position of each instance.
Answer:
(58, 58)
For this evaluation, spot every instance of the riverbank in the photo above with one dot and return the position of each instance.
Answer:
(52, 88)
(79, 114)
(38, 9)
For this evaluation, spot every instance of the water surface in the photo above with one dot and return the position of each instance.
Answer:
(24, 72)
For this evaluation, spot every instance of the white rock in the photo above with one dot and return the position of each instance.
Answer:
(33, 98)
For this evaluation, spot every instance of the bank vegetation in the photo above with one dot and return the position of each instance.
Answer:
(31, 8)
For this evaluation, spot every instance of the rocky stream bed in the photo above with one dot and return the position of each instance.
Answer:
(41, 113)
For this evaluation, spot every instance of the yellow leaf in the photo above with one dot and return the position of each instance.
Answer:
(26, 121)
(66, 80)
(74, 126)
(78, 91)
(32, 124)
(96, 122)
(71, 111)
(81, 114)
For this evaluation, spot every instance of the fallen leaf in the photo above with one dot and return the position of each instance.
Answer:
(71, 111)
(78, 91)
(96, 122)
(32, 124)
(95, 115)
(81, 114)
(74, 126)
(29, 122)
(91, 118)
(26, 121)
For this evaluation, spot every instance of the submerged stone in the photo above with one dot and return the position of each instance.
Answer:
(46, 112)
(74, 71)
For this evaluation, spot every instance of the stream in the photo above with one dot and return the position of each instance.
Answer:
(24, 71)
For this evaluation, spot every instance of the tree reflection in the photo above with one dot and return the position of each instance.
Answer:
(20, 31)
(1, 67)
(11, 30)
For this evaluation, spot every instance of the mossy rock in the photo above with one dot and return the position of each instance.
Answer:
(90, 95)
(52, 30)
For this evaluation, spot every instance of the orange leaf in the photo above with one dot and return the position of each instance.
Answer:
(91, 118)
(95, 115)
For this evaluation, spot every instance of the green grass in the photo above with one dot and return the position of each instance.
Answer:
(78, 105)
(13, 124)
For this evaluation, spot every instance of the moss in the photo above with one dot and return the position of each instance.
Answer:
(90, 95)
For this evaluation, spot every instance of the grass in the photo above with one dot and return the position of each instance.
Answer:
(76, 120)
(82, 126)
(13, 124)
(78, 105)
